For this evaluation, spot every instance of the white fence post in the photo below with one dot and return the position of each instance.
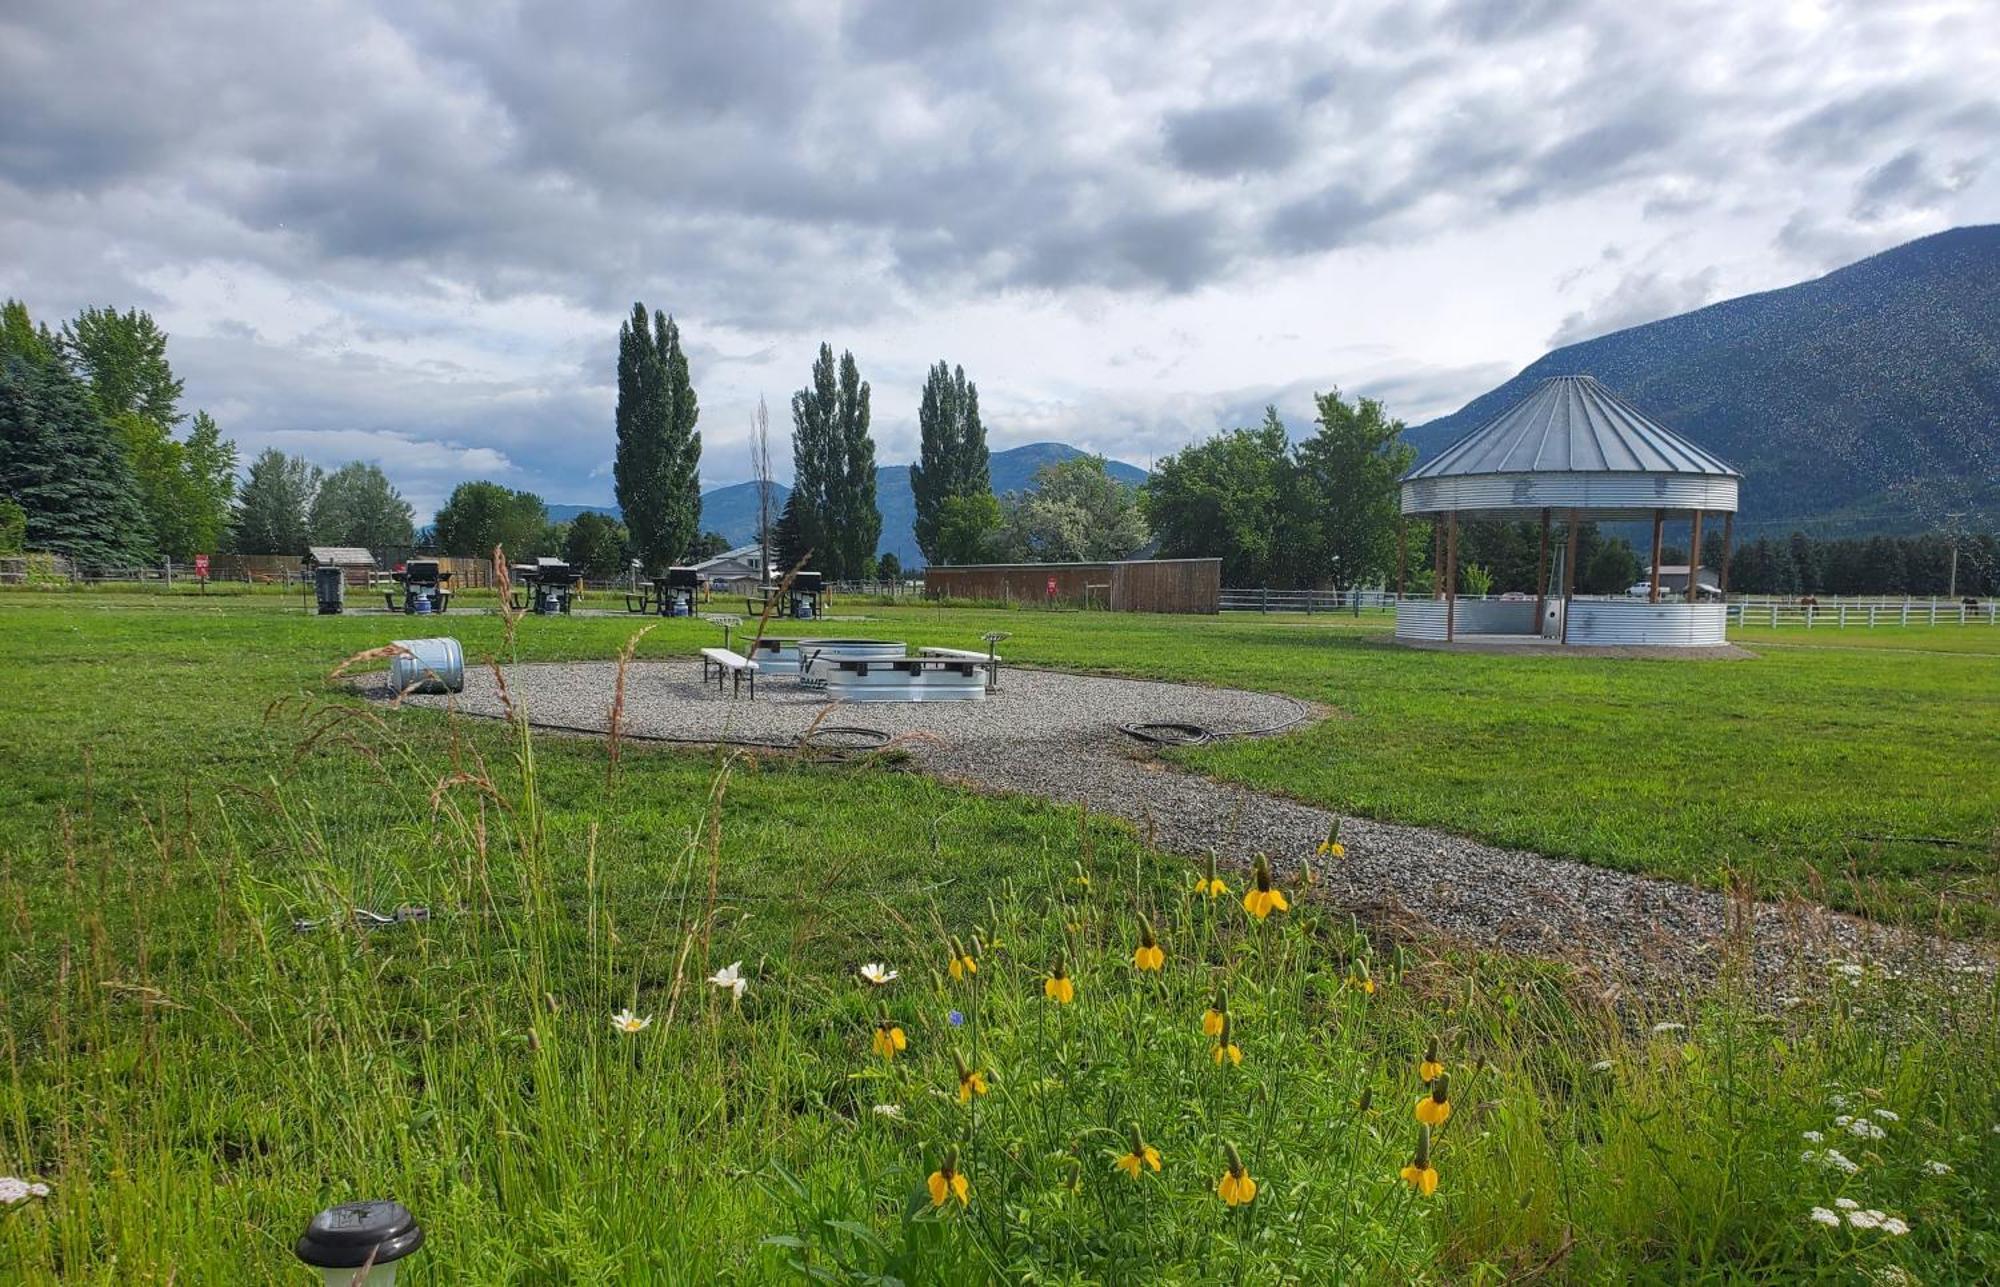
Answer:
(1843, 616)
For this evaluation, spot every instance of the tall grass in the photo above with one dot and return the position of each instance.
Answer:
(193, 1076)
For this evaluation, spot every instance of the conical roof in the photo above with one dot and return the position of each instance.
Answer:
(1572, 443)
(1573, 424)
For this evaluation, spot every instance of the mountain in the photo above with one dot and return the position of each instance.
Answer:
(732, 510)
(1865, 400)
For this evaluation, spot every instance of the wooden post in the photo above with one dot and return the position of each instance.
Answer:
(1694, 559)
(1659, 521)
(1437, 559)
(1722, 573)
(1402, 553)
(1542, 574)
(1569, 575)
(1451, 581)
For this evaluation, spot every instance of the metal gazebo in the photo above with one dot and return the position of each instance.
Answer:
(1571, 450)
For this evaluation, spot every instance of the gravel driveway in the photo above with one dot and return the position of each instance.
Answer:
(1057, 736)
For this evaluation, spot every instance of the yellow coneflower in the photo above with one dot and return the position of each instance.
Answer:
(1148, 955)
(946, 1183)
(1224, 1047)
(1331, 846)
(1142, 1154)
(970, 1080)
(889, 1038)
(1420, 1174)
(1058, 987)
(1434, 1109)
(1260, 900)
(1216, 1015)
(1429, 1069)
(1236, 1187)
(1210, 885)
(962, 963)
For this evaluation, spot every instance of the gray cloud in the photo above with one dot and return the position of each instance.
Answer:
(1231, 139)
(1643, 296)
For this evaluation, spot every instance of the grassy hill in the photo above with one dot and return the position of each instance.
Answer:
(1865, 400)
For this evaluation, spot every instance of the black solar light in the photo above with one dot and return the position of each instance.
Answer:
(341, 1240)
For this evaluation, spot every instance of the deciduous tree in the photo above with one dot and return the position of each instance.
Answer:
(953, 457)
(658, 463)
(357, 505)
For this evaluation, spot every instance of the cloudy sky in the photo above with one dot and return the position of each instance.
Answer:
(406, 232)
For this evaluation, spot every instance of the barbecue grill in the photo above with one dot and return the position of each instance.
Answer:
(548, 584)
(807, 590)
(423, 588)
(676, 591)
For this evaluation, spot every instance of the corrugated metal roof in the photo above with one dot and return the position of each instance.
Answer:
(1572, 424)
(340, 556)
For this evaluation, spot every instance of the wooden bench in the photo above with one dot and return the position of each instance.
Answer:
(735, 665)
(991, 663)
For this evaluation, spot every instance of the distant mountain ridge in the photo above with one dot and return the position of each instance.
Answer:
(732, 510)
(1865, 400)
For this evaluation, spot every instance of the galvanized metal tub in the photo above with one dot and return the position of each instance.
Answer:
(851, 677)
(774, 656)
(432, 666)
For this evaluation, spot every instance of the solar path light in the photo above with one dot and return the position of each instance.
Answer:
(359, 1243)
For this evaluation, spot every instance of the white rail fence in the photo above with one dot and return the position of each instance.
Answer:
(1765, 612)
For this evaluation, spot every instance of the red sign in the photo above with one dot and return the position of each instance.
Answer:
(201, 567)
(1052, 586)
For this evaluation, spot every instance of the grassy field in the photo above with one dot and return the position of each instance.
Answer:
(192, 1077)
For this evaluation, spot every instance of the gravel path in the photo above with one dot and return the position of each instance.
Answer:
(1056, 736)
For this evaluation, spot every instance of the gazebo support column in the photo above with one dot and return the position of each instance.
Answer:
(1659, 521)
(1451, 580)
(1542, 573)
(1569, 574)
(1694, 558)
(1437, 559)
(1728, 532)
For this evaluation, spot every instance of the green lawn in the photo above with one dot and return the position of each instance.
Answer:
(193, 1078)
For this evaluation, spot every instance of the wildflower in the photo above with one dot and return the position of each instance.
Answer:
(1362, 981)
(731, 980)
(971, 1081)
(894, 1112)
(1833, 1160)
(1217, 1014)
(889, 1038)
(1813, 1137)
(1837, 1101)
(1662, 1029)
(1862, 1128)
(1434, 1109)
(1847, 969)
(1847, 1204)
(1148, 955)
(1236, 1188)
(1260, 900)
(627, 1022)
(14, 1191)
(1429, 1069)
(1058, 987)
(1602, 1065)
(1224, 1047)
(1888, 1115)
(1142, 1154)
(1820, 1215)
(946, 1183)
(1331, 846)
(1870, 1219)
(1420, 1174)
(1307, 876)
(1894, 1227)
(1936, 1167)
(1082, 877)
(954, 1018)
(962, 963)
(1210, 885)
(879, 975)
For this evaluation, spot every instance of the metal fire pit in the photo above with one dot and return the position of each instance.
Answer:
(857, 677)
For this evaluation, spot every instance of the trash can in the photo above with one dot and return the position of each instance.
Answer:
(330, 587)
(432, 666)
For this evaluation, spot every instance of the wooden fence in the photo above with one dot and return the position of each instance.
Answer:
(1138, 585)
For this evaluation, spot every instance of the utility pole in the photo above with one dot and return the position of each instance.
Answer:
(1952, 593)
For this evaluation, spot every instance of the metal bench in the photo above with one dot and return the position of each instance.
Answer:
(735, 665)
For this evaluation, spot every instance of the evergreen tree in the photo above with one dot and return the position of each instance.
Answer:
(123, 357)
(953, 456)
(658, 464)
(63, 469)
(788, 542)
(357, 505)
(833, 465)
(273, 506)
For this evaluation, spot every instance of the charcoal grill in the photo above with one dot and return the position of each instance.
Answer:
(423, 582)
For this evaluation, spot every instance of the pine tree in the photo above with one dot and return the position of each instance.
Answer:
(953, 457)
(788, 544)
(59, 463)
(658, 465)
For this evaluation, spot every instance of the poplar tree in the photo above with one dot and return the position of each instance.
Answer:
(833, 463)
(658, 465)
(953, 460)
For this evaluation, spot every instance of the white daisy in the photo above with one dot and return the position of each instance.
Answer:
(879, 974)
(627, 1022)
(731, 980)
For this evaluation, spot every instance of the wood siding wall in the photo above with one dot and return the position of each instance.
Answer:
(1142, 585)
